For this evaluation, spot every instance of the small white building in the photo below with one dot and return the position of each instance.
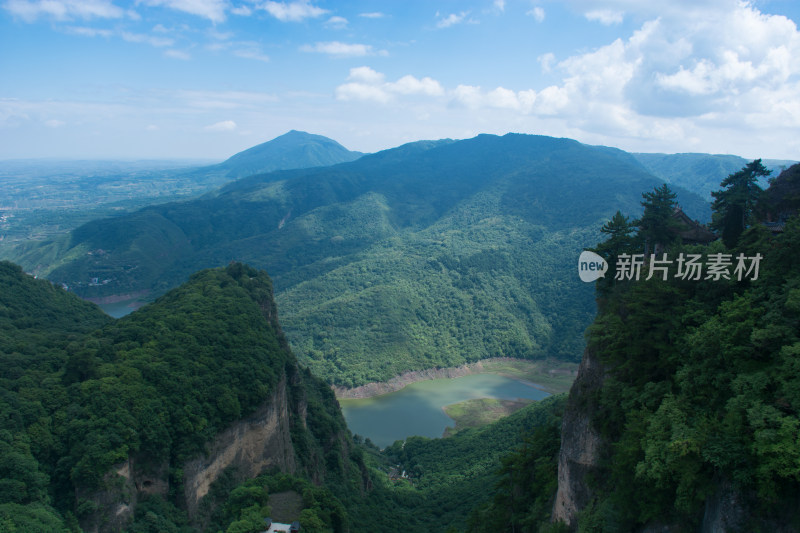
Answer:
(277, 527)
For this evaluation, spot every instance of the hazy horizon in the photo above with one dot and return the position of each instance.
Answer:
(205, 79)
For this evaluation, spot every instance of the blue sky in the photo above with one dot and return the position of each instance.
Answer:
(209, 78)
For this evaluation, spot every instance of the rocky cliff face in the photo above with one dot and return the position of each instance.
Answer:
(249, 447)
(581, 443)
(727, 509)
(291, 422)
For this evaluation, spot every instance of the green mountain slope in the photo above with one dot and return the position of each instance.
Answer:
(51, 198)
(470, 479)
(431, 254)
(295, 149)
(700, 173)
(158, 408)
(686, 410)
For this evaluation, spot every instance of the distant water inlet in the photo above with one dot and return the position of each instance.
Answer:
(121, 308)
(417, 408)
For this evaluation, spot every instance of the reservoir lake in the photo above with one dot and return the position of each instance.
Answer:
(417, 408)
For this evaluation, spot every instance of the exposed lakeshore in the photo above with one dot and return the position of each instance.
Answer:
(552, 376)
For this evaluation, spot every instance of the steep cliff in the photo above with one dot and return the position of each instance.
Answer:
(295, 427)
(581, 442)
(169, 407)
(249, 446)
(686, 410)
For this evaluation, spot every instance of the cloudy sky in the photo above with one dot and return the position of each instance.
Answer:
(208, 78)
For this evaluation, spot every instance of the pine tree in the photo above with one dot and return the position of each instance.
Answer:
(733, 205)
(657, 225)
(619, 230)
(620, 239)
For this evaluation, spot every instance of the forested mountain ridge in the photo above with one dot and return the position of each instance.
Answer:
(685, 412)
(295, 149)
(700, 173)
(430, 254)
(43, 200)
(157, 416)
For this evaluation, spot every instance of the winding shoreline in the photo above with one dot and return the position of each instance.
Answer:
(378, 388)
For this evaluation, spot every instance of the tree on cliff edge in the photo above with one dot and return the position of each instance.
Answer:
(733, 205)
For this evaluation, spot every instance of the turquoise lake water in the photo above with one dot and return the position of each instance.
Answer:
(417, 408)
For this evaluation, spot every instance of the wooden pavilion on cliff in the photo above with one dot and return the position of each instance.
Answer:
(692, 232)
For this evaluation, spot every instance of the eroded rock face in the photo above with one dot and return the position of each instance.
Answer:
(251, 445)
(580, 441)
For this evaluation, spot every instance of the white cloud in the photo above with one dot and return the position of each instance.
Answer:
(503, 98)
(546, 61)
(643, 10)
(410, 85)
(232, 100)
(158, 42)
(372, 15)
(500, 4)
(178, 54)
(242, 11)
(225, 125)
(537, 13)
(679, 80)
(362, 91)
(252, 51)
(243, 49)
(547, 102)
(53, 123)
(213, 10)
(218, 35)
(89, 32)
(700, 74)
(606, 17)
(365, 83)
(152, 127)
(452, 19)
(294, 11)
(337, 23)
(365, 75)
(335, 48)
(246, 50)
(30, 10)
(468, 95)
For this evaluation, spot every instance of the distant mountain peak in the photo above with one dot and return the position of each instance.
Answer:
(292, 150)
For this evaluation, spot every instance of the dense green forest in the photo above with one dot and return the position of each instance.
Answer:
(466, 482)
(700, 402)
(701, 173)
(83, 394)
(430, 254)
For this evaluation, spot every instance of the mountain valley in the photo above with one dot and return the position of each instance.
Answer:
(203, 411)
